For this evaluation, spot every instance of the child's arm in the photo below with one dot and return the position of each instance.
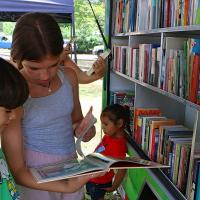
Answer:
(99, 70)
(117, 180)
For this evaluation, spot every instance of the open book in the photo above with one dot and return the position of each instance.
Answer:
(91, 163)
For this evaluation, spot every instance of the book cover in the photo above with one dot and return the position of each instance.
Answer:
(87, 122)
(184, 165)
(155, 124)
(144, 112)
(145, 120)
(161, 142)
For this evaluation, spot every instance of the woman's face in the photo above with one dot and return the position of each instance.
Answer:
(6, 115)
(41, 72)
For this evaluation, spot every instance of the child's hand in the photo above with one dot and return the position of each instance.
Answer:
(68, 49)
(99, 67)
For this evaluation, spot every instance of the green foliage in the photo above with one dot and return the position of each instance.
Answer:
(86, 28)
(65, 29)
(8, 27)
(87, 31)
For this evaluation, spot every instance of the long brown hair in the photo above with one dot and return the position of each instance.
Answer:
(35, 36)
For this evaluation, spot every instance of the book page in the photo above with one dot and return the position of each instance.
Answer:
(88, 121)
(128, 162)
(90, 164)
(64, 170)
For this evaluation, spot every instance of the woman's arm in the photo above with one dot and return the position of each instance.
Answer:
(77, 115)
(12, 144)
(99, 70)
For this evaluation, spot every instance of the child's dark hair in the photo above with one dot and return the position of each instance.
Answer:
(13, 86)
(115, 112)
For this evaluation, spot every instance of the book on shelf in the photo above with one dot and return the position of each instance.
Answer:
(134, 15)
(195, 176)
(154, 135)
(183, 169)
(125, 98)
(90, 164)
(145, 130)
(142, 112)
(178, 132)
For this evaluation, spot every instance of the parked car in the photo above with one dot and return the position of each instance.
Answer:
(97, 50)
(5, 42)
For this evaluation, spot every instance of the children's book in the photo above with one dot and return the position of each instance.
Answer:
(90, 164)
(88, 121)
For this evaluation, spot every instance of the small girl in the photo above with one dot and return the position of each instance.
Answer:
(114, 119)
(13, 93)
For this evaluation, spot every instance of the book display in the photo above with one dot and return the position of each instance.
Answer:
(156, 57)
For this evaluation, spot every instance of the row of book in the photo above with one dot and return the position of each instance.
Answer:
(180, 68)
(165, 142)
(177, 71)
(125, 98)
(135, 15)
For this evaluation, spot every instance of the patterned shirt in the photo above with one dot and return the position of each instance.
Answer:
(8, 190)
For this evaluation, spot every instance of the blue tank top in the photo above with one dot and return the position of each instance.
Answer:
(47, 122)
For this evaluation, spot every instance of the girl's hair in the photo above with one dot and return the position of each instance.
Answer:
(35, 36)
(115, 112)
(13, 86)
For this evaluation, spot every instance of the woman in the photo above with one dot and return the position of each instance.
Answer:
(43, 131)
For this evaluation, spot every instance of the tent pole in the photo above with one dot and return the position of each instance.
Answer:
(73, 34)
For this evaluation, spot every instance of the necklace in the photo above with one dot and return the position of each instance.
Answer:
(49, 89)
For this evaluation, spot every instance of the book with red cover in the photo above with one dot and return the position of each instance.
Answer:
(195, 79)
(155, 124)
(142, 112)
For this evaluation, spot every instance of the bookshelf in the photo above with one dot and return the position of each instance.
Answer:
(173, 100)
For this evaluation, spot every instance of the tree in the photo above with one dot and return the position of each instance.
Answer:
(86, 29)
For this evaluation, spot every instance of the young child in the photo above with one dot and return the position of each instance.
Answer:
(114, 119)
(13, 93)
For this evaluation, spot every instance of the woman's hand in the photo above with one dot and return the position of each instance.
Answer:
(90, 134)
